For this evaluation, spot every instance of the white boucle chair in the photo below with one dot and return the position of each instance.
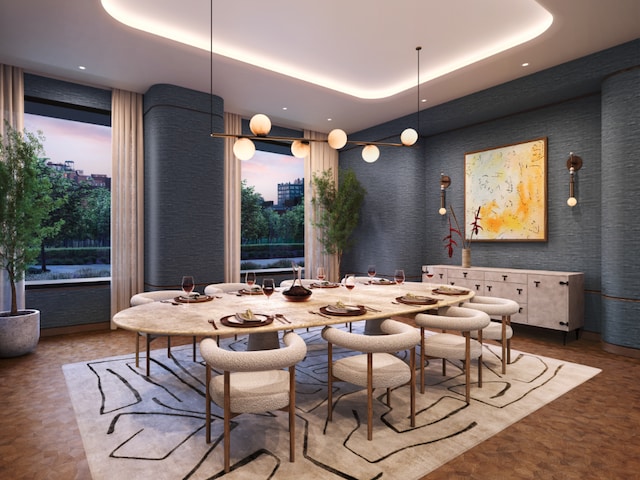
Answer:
(252, 382)
(224, 287)
(498, 308)
(149, 297)
(375, 367)
(306, 282)
(452, 346)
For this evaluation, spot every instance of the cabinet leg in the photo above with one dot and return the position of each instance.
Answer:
(564, 338)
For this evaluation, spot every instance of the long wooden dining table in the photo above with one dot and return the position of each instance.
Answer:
(205, 318)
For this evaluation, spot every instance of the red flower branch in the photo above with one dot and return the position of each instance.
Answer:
(466, 243)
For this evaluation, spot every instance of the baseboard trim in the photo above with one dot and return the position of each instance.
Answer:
(89, 327)
(618, 350)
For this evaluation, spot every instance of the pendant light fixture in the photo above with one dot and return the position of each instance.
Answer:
(260, 126)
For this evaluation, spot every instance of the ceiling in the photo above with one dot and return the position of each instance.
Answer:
(333, 59)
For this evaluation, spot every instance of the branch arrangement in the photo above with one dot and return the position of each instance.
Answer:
(466, 242)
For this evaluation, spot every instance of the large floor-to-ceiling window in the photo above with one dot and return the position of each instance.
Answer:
(272, 212)
(77, 146)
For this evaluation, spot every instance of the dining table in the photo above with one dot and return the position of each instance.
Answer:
(250, 312)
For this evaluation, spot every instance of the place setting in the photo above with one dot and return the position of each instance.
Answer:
(189, 296)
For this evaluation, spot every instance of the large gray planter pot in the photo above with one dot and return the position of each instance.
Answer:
(19, 334)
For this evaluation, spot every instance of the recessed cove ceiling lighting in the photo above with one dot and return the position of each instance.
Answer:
(325, 52)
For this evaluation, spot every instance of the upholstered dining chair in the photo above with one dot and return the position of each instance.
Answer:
(149, 297)
(449, 346)
(306, 282)
(252, 382)
(224, 287)
(375, 367)
(501, 331)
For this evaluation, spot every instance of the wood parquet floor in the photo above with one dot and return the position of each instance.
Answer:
(589, 433)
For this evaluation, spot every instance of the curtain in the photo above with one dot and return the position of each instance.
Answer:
(11, 111)
(127, 199)
(233, 200)
(321, 157)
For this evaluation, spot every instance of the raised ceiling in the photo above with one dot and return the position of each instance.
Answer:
(352, 62)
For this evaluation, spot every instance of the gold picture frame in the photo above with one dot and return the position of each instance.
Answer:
(509, 185)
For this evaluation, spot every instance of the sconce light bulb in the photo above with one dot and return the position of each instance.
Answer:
(442, 211)
(572, 201)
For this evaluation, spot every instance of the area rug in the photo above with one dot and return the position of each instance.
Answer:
(140, 427)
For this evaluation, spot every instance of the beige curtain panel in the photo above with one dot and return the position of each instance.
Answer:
(127, 199)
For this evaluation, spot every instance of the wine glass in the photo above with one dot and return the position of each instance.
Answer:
(250, 279)
(429, 272)
(321, 274)
(268, 287)
(350, 283)
(187, 286)
(399, 276)
(371, 271)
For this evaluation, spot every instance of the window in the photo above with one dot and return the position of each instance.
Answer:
(272, 218)
(77, 145)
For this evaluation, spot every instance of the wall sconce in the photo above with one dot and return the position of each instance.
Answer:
(574, 163)
(445, 181)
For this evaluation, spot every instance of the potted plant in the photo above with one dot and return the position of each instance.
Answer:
(338, 210)
(26, 203)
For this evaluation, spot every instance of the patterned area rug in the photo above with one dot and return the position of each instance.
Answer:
(153, 428)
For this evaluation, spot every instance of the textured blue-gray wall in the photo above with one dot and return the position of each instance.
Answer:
(620, 220)
(184, 187)
(401, 226)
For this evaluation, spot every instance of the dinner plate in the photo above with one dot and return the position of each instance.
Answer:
(449, 291)
(253, 291)
(417, 300)
(192, 299)
(324, 285)
(383, 282)
(232, 321)
(346, 311)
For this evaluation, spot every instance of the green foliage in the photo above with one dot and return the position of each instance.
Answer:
(260, 224)
(26, 203)
(337, 209)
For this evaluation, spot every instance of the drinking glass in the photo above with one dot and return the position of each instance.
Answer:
(429, 272)
(250, 279)
(321, 274)
(187, 286)
(371, 271)
(399, 276)
(350, 283)
(268, 287)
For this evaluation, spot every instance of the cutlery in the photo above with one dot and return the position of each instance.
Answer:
(169, 301)
(213, 322)
(319, 313)
(281, 317)
(372, 309)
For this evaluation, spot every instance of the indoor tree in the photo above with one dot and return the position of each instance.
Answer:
(26, 204)
(337, 210)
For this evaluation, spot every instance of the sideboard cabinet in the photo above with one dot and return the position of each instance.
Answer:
(547, 299)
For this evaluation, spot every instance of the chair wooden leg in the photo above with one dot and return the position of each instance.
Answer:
(207, 421)
(148, 353)
(292, 413)
(480, 360)
(422, 359)
(369, 396)
(138, 349)
(504, 344)
(412, 365)
(330, 382)
(467, 364)
(227, 416)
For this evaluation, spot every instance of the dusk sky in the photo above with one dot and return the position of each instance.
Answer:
(89, 146)
(265, 170)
